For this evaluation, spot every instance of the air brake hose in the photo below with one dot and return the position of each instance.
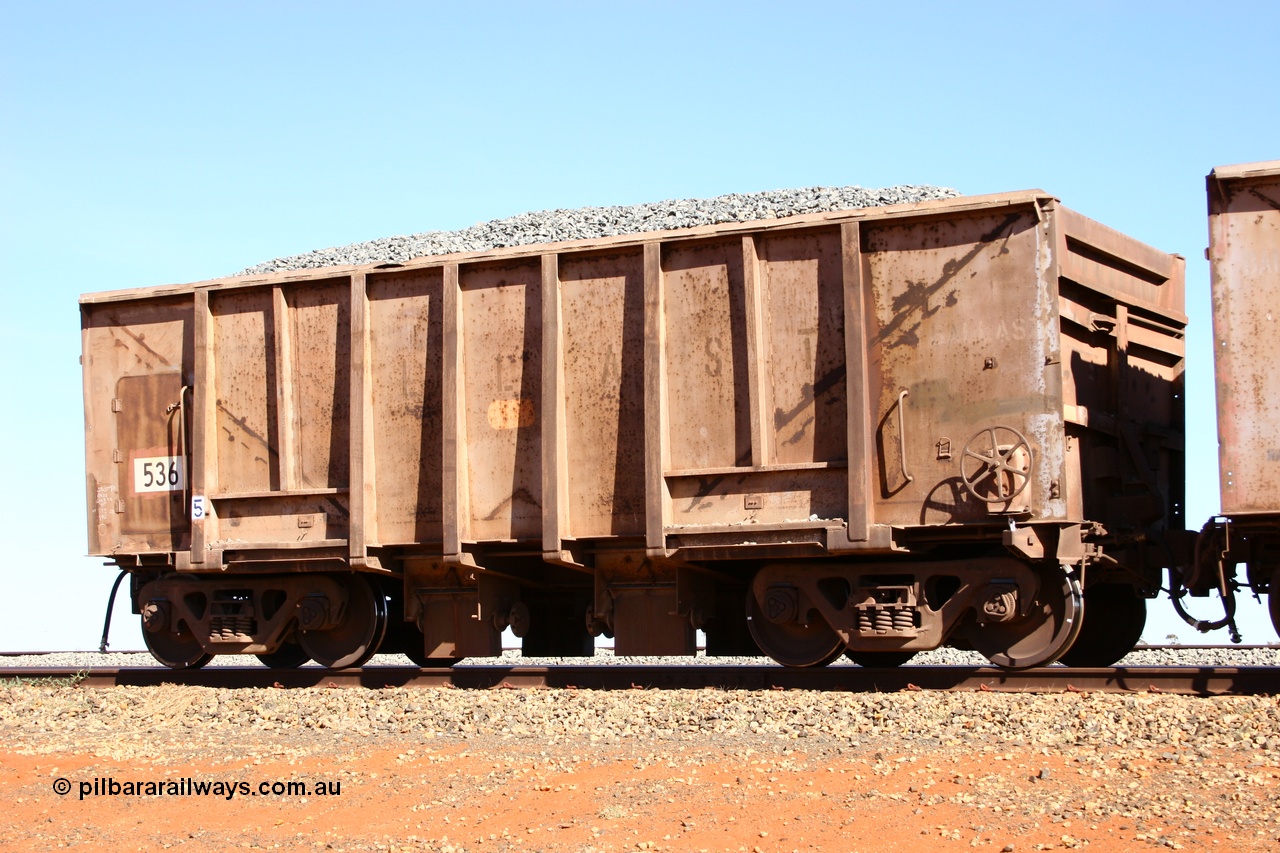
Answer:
(1228, 621)
(111, 601)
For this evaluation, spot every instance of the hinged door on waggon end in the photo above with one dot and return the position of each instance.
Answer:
(138, 365)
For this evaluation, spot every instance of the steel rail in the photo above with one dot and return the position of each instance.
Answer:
(1140, 647)
(1189, 681)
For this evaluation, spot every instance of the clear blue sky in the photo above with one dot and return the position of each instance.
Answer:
(151, 143)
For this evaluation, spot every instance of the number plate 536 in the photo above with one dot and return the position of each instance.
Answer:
(158, 474)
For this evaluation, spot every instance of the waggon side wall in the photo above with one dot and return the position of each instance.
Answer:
(697, 390)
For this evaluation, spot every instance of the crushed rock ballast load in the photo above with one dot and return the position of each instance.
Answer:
(587, 223)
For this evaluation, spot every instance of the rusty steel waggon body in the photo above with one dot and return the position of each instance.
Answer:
(1244, 256)
(874, 431)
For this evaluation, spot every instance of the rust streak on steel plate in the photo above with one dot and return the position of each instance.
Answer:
(1189, 681)
(1244, 257)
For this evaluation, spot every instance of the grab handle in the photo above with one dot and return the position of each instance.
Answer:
(902, 435)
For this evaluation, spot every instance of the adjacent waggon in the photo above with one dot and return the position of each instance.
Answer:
(869, 432)
(1244, 270)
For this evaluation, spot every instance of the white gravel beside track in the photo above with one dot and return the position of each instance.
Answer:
(1212, 656)
(600, 771)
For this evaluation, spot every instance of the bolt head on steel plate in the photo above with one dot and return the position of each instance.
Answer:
(781, 604)
(313, 613)
(155, 615)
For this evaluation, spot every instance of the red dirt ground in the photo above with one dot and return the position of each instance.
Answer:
(456, 797)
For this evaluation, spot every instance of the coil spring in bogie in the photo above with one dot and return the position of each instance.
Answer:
(229, 629)
(886, 620)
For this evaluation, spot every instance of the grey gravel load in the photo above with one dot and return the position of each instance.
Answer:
(586, 223)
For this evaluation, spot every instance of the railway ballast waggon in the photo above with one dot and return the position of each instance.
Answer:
(866, 432)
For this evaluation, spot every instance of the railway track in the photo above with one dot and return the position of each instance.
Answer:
(1191, 681)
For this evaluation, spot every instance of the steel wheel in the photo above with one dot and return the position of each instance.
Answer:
(356, 638)
(791, 643)
(1051, 625)
(1114, 616)
(1273, 601)
(290, 655)
(175, 649)
(879, 660)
